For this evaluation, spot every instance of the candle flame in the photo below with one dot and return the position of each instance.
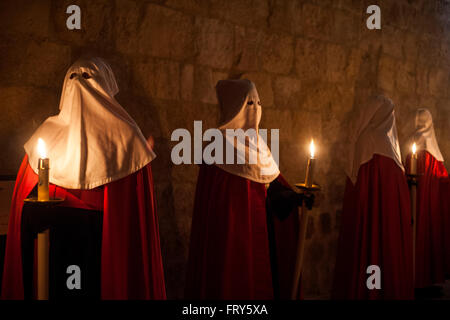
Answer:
(414, 148)
(312, 149)
(41, 149)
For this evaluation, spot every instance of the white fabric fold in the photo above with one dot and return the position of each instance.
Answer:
(93, 140)
(240, 108)
(372, 131)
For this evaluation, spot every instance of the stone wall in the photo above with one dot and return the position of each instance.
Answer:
(312, 61)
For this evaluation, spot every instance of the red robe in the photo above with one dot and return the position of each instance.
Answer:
(131, 263)
(229, 254)
(375, 230)
(430, 220)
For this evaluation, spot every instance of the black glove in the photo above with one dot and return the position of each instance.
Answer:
(309, 200)
(282, 200)
(307, 197)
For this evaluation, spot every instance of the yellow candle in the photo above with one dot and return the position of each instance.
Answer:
(43, 172)
(413, 169)
(310, 168)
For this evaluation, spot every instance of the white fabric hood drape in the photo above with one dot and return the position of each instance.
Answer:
(93, 140)
(372, 131)
(424, 135)
(240, 108)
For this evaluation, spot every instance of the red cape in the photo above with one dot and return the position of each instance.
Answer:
(131, 263)
(229, 254)
(430, 220)
(375, 230)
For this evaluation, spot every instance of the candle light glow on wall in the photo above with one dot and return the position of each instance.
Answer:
(310, 167)
(43, 172)
(413, 169)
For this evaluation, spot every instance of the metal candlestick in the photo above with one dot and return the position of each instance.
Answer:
(303, 216)
(413, 180)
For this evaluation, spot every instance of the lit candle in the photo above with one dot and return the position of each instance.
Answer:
(310, 167)
(413, 169)
(43, 171)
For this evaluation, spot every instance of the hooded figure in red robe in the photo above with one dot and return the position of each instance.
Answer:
(374, 259)
(238, 250)
(99, 160)
(430, 211)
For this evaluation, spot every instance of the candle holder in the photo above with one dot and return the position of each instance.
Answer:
(303, 186)
(50, 201)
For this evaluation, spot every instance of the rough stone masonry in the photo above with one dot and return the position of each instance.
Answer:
(312, 62)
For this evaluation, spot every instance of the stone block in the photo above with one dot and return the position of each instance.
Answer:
(34, 63)
(406, 77)
(97, 22)
(153, 30)
(174, 115)
(195, 7)
(438, 81)
(445, 52)
(399, 14)
(356, 6)
(286, 92)
(337, 61)
(159, 78)
(247, 48)
(24, 109)
(263, 84)
(428, 51)
(315, 96)
(410, 47)
(310, 59)
(392, 40)
(214, 43)
(285, 16)
(387, 69)
(346, 27)
(205, 80)
(272, 118)
(241, 12)
(316, 21)
(25, 17)
(277, 53)
(187, 82)
(143, 109)
(183, 204)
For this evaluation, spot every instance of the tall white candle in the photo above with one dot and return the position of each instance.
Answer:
(310, 168)
(413, 167)
(43, 172)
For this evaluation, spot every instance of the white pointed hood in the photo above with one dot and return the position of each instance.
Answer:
(424, 135)
(240, 108)
(372, 131)
(93, 140)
